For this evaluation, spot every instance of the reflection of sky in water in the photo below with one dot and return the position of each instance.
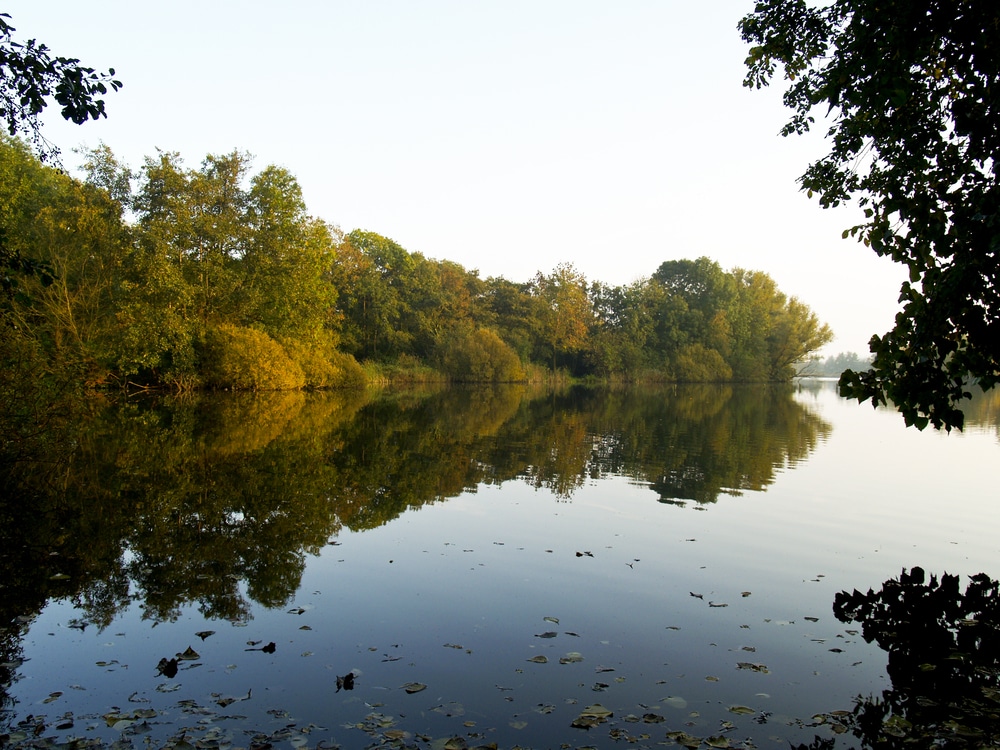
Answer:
(454, 596)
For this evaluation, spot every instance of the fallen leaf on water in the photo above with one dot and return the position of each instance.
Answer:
(539, 659)
(653, 719)
(811, 619)
(683, 738)
(52, 697)
(742, 710)
(718, 741)
(597, 711)
(571, 658)
(228, 700)
(450, 709)
(591, 716)
(167, 667)
(744, 593)
(517, 724)
(455, 743)
(554, 620)
(203, 634)
(752, 667)
(714, 604)
(414, 687)
(189, 654)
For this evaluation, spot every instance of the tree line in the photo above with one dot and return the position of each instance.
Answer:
(217, 276)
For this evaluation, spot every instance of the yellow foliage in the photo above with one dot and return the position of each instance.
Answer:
(248, 360)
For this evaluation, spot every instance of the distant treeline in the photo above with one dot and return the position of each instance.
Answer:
(833, 366)
(216, 277)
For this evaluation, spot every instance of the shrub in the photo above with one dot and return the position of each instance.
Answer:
(697, 364)
(325, 367)
(479, 356)
(247, 359)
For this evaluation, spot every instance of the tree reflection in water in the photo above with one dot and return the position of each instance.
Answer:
(944, 663)
(217, 500)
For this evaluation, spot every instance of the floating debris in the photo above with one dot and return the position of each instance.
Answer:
(167, 667)
(268, 649)
(591, 716)
(683, 738)
(414, 687)
(753, 667)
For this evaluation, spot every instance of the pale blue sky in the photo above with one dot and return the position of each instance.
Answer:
(507, 136)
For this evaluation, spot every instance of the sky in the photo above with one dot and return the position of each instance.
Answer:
(506, 135)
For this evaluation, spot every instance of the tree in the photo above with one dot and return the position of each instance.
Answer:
(913, 104)
(30, 76)
(568, 312)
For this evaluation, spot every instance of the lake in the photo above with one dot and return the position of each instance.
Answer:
(502, 568)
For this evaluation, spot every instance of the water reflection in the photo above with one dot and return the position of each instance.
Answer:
(216, 502)
(186, 498)
(944, 663)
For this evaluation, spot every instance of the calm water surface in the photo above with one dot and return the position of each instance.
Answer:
(487, 564)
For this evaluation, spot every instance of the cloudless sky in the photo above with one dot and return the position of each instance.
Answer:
(506, 135)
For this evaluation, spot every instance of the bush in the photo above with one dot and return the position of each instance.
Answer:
(480, 356)
(697, 364)
(325, 367)
(248, 360)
